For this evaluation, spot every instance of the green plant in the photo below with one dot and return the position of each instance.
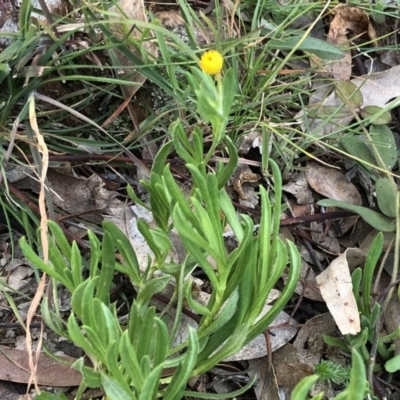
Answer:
(330, 371)
(356, 389)
(131, 363)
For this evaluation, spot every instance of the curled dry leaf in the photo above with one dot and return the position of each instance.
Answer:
(309, 342)
(347, 19)
(337, 290)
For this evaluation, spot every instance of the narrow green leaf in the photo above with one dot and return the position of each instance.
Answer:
(130, 362)
(114, 390)
(156, 285)
(60, 239)
(150, 387)
(76, 265)
(95, 255)
(371, 261)
(320, 48)
(184, 370)
(226, 172)
(358, 381)
(106, 323)
(161, 343)
(38, 262)
(107, 268)
(124, 246)
(300, 392)
(376, 220)
(79, 339)
(81, 300)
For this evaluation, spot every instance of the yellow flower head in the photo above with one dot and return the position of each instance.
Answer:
(211, 62)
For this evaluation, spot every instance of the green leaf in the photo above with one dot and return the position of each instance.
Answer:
(393, 364)
(161, 347)
(106, 323)
(377, 115)
(320, 48)
(145, 335)
(386, 144)
(50, 396)
(371, 261)
(156, 285)
(349, 93)
(81, 300)
(130, 362)
(358, 149)
(159, 161)
(386, 196)
(125, 248)
(225, 173)
(194, 305)
(76, 335)
(107, 268)
(300, 392)
(235, 341)
(115, 370)
(356, 277)
(376, 220)
(39, 263)
(114, 390)
(358, 383)
(230, 86)
(76, 265)
(91, 378)
(95, 254)
(150, 386)
(60, 239)
(185, 370)
(325, 112)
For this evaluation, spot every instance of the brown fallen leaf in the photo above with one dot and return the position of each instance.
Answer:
(289, 369)
(332, 184)
(337, 290)
(309, 342)
(14, 367)
(348, 23)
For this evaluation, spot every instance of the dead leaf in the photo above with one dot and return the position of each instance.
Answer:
(289, 369)
(332, 183)
(279, 336)
(265, 387)
(308, 277)
(349, 22)
(309, 342)
(298, 186)
(14, 367)
(75, 196)
(337, 290)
